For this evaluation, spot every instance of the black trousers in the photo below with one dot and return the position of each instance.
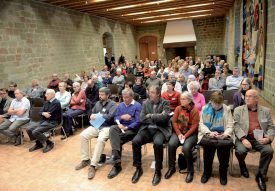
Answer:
(37, 130)
(265, 150)
(117, 139)
(208, 157)
(187, 147)
(146, 136)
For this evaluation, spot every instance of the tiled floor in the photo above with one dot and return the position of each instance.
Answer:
(54, 171)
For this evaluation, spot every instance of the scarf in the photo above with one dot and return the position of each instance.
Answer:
(213, 119)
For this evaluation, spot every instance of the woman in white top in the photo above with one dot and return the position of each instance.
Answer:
(63, 96)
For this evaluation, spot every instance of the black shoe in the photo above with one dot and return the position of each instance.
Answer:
(223, 179)
(17, 140)
(102, 159)
(244, 171)
(189, 177)
(49, 147)
(35, 147)
(113, 160)
(114, 172)
(169, 173)
(137, 175)
(261, 182)
(157, 178)
(204, 178)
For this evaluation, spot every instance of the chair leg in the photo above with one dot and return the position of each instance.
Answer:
(62, 129)
(231, 161)
(198, 158)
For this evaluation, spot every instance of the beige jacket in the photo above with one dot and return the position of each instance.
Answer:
(227, 120)
(241, 122)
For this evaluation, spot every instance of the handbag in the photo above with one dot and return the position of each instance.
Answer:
(215, 142)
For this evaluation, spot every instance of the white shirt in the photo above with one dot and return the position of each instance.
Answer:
(24, 103)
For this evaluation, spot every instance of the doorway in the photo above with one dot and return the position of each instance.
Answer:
(148, 48)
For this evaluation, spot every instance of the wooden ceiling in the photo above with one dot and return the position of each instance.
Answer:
(141, 12)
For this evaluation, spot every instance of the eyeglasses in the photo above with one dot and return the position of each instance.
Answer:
(245, 84)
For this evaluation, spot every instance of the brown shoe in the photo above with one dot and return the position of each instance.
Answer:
(83, 164)
(91, 173)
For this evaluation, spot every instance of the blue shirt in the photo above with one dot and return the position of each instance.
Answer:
(134, 110)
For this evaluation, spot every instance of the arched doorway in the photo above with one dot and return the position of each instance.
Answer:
(108, 48)
(148, 48)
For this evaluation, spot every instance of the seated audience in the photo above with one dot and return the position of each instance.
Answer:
(35, 91)
(54, 83)
(186, 120)
(248, 118)
(153, 80)
(119, 80)
(12, 88)
(107, 79)
(185, 70)
(226, 71)
(161, 74)
(208, 70)
(233, 82)
(63, 96)
(77, 104)
(172, 96)
(84, 83)
(182, 82)
(107, 108)
(69, 82)
(217, 82)
(139, 88)
(129, 85)
(156, 128)
(177, 85)
(199, 100)
(51, 117)
(239, 96)
(128, 121)
(92, 93)
(5, 102)
(19, 116)
(216, 124)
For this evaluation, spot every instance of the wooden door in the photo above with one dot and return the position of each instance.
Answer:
(148, 48)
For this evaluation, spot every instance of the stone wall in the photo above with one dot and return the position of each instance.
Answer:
(269, 82)
(37, 39)
(210, 35)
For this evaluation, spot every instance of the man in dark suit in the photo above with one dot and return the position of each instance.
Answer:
(155, 127)
(51, 115)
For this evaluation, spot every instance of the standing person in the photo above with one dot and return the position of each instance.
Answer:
(186, 120)
(128, 121)
(247, 119)
(216, 123)
(107, 108)
(19, 115)
(51, 116)
(155, 127)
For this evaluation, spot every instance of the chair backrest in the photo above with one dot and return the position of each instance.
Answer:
(37, 102)
(34, 114)
(113, 88)
(207, 94)
(228, 95)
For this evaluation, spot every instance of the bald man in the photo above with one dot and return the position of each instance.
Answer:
(248, 118)
(54, 82)
(51, 116)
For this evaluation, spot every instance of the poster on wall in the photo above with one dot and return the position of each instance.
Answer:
(254, 30)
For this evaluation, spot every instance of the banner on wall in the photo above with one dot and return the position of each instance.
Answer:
(254, 31)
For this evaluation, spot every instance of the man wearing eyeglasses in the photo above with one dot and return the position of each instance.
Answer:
(254, 130)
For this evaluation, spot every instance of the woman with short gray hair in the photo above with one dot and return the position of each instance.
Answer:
(185, 124)
(199, 100)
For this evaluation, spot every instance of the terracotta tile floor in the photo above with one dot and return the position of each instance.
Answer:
(24, 171)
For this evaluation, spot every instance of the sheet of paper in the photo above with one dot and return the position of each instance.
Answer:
(98, 121)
